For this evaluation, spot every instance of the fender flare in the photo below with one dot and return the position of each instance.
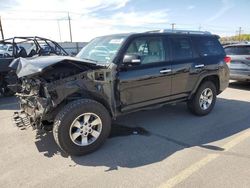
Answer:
(200, 80)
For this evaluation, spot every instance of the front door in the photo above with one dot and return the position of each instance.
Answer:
(149, 82)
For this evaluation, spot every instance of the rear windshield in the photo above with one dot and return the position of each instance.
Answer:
(238, 50)
(208, 46)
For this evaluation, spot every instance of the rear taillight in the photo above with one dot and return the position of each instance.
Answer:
(227, 59)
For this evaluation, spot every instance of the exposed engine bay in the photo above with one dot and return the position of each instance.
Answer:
(43, 93)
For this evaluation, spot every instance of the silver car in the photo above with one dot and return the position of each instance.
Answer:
(240, 61)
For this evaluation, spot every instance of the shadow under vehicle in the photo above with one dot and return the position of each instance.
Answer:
(23, 47)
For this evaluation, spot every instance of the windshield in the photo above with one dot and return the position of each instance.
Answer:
(102, 49)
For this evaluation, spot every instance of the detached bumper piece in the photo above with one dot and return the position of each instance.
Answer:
(21, 119)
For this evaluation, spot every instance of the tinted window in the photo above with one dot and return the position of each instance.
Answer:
(238, 50)
(181, 48)
(150, 49)
(209, 46)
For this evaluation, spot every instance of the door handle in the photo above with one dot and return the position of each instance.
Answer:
(163, 71)
(199, 66)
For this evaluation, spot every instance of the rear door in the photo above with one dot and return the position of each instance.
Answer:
(183, 62)
(149, 82)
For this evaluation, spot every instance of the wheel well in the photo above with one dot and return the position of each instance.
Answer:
(104, 103)
(77, 96)
(214, 79)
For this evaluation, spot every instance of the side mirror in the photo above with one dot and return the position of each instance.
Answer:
(132, 59)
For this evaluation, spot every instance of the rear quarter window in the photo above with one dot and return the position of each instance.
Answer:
(208, 46)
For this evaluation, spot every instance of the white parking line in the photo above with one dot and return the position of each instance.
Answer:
(184, 174)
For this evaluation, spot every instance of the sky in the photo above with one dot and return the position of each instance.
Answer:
(92, 18)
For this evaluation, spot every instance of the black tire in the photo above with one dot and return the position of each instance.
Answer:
(68, 114)
(194, 104)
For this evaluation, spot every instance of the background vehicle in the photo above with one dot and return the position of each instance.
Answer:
(118, 74)
(240, 61)
(6, 50)
(25, 47)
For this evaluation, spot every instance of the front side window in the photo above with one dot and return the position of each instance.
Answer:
(181, 49)
(150, 49)
(102, 49)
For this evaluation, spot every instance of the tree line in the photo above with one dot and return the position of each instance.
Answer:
(236, 38)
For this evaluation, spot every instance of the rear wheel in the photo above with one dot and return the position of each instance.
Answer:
(81, 127)
(204, 99)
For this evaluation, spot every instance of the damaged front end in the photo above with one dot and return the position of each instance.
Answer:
(35, 102)
(48, 84)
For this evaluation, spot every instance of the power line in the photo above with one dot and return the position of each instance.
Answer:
(46, 11)
(36, 19)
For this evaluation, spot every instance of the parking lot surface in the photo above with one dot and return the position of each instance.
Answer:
(177, 149)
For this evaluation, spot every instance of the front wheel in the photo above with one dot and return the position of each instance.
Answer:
(81, 127)
(204, 99)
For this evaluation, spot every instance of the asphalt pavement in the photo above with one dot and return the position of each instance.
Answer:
(166, 147)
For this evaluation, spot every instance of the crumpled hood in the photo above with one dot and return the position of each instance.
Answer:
(31, 66)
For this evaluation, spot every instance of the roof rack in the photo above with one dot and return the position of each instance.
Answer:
(179, 31)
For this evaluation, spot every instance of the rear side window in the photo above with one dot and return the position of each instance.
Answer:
(208, 46)
(238, 50)
(181, 48)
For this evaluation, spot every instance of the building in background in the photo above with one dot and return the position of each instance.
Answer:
(72, 48)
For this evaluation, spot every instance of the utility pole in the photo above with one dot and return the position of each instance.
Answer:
(173, 26)
(1, 28)
(200, 27)
(59, 30)
(240, 32)
(70, 28)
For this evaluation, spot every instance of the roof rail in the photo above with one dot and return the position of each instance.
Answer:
(179, 31)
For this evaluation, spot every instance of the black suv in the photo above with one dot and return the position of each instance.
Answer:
(114, 75)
